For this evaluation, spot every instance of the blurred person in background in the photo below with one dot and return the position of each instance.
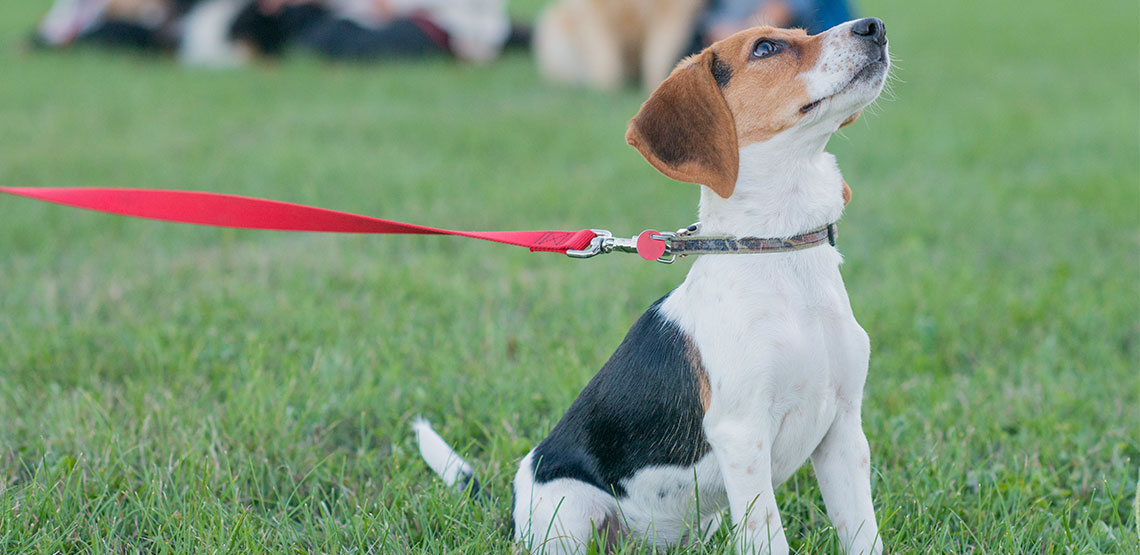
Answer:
(231, 32)
(471, 30)
(726, 17)
(140, 24)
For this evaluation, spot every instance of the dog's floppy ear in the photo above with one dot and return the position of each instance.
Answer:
(685, 129)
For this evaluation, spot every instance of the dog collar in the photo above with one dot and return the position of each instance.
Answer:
(666, 247)
(682, 245)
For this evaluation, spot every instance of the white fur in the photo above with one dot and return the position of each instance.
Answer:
(835, 64)
(677, 517)
(67, 19)
(205, 35)
(438, 454)
(785, 358)
(559, 516)
(831, 78)
(786, 362)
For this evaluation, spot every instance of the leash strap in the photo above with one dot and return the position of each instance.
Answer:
(221, 210)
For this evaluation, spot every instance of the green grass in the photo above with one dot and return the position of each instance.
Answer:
(177, 389)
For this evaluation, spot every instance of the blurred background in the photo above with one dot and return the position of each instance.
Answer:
(596, 43)
(177, 388)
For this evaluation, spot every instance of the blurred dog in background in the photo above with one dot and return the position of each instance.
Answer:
(606, 43)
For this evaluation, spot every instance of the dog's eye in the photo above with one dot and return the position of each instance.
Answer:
(765, 48)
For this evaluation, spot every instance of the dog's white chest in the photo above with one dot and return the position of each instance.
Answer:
(779, 343)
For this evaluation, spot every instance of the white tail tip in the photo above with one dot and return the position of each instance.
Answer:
(438, 454)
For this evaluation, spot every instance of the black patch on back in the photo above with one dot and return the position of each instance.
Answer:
(721, 72)
(643, 408)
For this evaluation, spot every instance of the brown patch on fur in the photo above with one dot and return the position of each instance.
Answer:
(685, 128)
(704, 391)
(846, 193)
(765, 95)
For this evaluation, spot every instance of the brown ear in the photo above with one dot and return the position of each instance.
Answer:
(685, 129)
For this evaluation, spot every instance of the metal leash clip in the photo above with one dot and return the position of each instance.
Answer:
(668, 238)
(596, 246)
(604, 242)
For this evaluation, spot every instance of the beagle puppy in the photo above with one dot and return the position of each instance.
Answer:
(755, 363)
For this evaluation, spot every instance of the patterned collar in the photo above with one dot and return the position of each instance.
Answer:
(686, 243)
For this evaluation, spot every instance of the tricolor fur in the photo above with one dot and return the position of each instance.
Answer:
(755, 363)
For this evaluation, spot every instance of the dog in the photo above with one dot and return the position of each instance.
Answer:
(603, 44)
(755, 363)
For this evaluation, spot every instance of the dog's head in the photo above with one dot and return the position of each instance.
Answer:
(753, 86)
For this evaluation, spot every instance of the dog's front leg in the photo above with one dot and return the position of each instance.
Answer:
(842, 463)
(744, 453)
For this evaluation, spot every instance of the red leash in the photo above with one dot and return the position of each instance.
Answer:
(214, 209)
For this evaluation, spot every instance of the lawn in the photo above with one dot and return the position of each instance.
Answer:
(178, 389)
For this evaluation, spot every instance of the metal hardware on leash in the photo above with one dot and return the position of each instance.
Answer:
(604, 242)
(594, 248)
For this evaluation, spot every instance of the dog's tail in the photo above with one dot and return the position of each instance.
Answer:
(444, 460)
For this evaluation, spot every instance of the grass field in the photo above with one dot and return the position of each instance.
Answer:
(176, 389)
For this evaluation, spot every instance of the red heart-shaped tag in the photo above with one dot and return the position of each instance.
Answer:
(648, 247)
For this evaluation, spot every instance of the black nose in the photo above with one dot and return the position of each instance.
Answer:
(872, 29)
